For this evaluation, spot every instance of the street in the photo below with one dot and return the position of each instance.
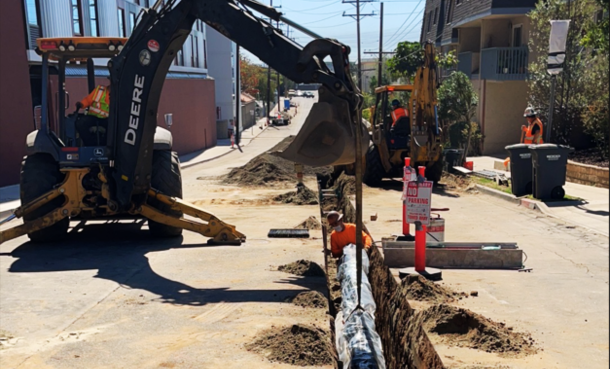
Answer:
(110, 296)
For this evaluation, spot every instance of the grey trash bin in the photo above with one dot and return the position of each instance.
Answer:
(550, 163)
(520, 169)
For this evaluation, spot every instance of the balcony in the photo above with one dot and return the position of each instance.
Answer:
(504, 63)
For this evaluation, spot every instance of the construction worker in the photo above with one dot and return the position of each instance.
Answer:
(398, 112)
(98, 108)
(343, 234)
(532, 134)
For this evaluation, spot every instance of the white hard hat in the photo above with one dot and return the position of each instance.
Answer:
(529, 112)
(334, 213)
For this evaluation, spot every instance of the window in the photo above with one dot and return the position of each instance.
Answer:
(32, 9)
(429, 21)
(179, 58)
(450, 12)
(517, 37)
(77, 26)
(196, 52)
(95, 31)
(436, 15)
(132, 20)
(122, 31)
(205, 55)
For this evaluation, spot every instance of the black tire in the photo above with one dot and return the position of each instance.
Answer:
(166, 178)
(39, 174)
(434, 173)
(558, 193)
(373, 169)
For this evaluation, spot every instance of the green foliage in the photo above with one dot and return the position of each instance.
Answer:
(366, 114)
(457, 106)
(446, 60)
(595, 116)
(597, 33)
(373, 83)
(571, 88)
(409, 56)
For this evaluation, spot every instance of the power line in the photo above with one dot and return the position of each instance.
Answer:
(403, 23)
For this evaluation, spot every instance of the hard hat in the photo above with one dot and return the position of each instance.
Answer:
(529, 112)
(334, 213)
(395, 102)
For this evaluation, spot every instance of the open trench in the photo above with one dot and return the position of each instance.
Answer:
(404, 340)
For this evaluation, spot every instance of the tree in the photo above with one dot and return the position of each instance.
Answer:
(249, 75)
(598, 30)
(571, 84)
(408, 57)
(458, 101)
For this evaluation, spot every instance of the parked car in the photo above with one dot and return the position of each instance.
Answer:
(308, 94)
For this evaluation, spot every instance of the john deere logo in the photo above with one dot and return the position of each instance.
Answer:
(98, 152)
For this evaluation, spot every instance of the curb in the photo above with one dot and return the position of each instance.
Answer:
(498, 194)
(534, 205)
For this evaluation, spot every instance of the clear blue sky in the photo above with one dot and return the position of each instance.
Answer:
(402, 22)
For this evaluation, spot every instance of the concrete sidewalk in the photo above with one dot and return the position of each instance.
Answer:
(591, 213)
(9, 195)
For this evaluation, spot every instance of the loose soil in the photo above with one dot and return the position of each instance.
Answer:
(465, 328)
(302, 196)
(421, 289)
(303, 268)
(267, 169)
(299, 344)
(309, 223)
(590, 157)
(309, 299)
(456, 183)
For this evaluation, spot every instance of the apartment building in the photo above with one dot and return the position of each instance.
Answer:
(188, 92)
(490, 38)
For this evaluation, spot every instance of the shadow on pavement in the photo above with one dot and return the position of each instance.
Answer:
(119, 253)
(397, 185)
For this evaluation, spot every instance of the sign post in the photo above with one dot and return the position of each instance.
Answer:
(417, 196)
(408, 175)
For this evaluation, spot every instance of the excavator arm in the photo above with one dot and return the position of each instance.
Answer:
(139, 70)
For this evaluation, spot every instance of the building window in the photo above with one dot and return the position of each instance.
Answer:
(429, 21)
(33, 19)
(196, 52)
(95, 31)
(436, 15)
(77, 25)
(122, 30)
(517, 36)
(205, 55)
(132, 20)
(450, 12)
(179, 58)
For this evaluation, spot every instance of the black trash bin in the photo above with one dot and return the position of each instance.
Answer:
(452, 158)
(550, 163)
(520, 169)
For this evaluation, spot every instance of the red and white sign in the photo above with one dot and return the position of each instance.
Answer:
(409, 174)
(418, 202)
(153, 46)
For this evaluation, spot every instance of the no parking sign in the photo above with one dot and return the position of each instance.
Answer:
(418, 200)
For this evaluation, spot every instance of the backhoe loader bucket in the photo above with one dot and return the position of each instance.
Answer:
(328, 137)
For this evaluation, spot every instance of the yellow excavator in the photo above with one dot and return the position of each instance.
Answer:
(417, 135)
(128, 169)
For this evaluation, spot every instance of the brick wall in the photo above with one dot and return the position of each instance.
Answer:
(587, 174)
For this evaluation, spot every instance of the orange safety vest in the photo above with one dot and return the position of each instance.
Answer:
(529, 136)
(397, 114)
(98, 102)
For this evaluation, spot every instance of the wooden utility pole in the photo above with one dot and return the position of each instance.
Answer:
(237, 133)
(379, 67)
(357, 17)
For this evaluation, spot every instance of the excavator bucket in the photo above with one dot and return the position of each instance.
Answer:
(328, 137)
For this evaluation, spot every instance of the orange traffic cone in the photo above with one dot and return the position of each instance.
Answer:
(232, 141)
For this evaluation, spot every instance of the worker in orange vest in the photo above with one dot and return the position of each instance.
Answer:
(96, 119)
(532, 134)
(533, 131)
(398, 112)
(344, 234)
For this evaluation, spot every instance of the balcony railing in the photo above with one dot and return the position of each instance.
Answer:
(504, 63)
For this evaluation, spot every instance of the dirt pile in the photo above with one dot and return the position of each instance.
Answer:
(303, 268)
(302, 196)
(300, 345)
(309, 299)
(266, 169)
(465, 328)
(421, 289)
(309, 223)
(451, 182)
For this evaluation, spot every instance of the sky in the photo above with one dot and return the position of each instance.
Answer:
(402, 22)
